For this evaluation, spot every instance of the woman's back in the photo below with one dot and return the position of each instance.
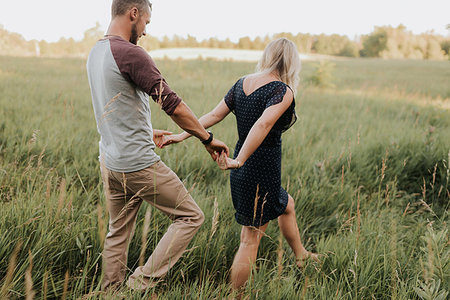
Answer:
(248, 99)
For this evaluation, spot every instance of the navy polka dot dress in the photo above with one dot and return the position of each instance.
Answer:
(256, 187)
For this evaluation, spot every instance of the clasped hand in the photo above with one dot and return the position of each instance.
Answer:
(217, 149)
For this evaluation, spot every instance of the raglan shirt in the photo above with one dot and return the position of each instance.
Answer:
(122, 76)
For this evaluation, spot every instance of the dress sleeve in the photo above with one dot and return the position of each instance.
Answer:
(277, 95)
(230, 97)
(289, 117)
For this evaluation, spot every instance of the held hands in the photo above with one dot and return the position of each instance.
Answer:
(226, 163)
(163, 138)
(170, 139)
(159, 136)
(215, 148)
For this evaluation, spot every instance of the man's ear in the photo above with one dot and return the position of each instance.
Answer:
(134, 14)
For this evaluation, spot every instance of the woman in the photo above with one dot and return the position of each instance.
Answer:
(263, 103)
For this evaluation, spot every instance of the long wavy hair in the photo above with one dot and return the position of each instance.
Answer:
(282, 58)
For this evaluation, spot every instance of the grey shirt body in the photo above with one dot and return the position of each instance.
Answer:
(122, 76)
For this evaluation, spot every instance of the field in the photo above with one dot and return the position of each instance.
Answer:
(368, 164)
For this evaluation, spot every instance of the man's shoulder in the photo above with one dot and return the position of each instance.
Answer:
(120, 46)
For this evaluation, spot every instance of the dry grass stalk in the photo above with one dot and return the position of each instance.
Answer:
(178, 203)
(280, 254)
(215, 219)
(440, 190)
(358, 219)
(62, 196)
(130, 204)
(434, 175)
(33, 139)
(48, 190)
(383, 168)
(105, 115)
(41, 156)
(342, 178)
(106, 110)
(160, 99)
(45, 286)
(406, 209)
(101, 224)
(124, 185)
(386, 195)
(145, 228)
(262, 210)
(29, 165)
(28, 279)
(424, 271)
(69, 204)
(171, 242)
(256, 203)
(113, 99)
(66, 285)
(305, 287)
(10, 273)
(424, 190)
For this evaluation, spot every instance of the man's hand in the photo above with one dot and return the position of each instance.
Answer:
(216, 147)
(158, 136)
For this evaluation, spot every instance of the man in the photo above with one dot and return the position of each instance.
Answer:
(121, 76)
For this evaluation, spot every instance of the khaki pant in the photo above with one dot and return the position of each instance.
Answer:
(160, 187)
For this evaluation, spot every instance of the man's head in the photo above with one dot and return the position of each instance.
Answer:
(137, 12)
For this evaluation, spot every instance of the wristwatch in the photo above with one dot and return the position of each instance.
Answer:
(209, 140)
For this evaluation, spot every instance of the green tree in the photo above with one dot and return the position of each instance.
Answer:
(374, 43)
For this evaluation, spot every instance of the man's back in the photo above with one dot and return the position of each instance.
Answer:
(120, 101)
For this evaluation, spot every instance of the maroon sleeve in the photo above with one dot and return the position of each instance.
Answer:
(139, 68)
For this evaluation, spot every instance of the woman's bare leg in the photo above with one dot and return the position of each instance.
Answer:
(246, 255)
(289, 229)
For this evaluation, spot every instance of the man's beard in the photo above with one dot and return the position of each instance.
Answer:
(134, 36)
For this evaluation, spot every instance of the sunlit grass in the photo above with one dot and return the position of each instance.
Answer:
(367, 163)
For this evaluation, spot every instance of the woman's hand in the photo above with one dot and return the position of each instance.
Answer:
(171, 139)
(226, 163)
(158, 136)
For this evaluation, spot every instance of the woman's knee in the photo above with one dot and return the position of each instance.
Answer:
(250, 236)
(290, 208)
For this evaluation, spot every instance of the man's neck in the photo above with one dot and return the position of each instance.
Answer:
(118, 28)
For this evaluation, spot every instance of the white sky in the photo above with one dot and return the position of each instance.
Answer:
(52, 19)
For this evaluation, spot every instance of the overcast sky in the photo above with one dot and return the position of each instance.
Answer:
(51, 19)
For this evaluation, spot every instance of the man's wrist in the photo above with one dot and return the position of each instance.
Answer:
(209, 139)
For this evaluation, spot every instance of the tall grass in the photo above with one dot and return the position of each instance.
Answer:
(368, 164)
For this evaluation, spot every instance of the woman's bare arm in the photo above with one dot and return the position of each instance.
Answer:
(258, 132)
(213, 117)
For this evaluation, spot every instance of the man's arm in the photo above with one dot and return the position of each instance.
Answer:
(207, 120)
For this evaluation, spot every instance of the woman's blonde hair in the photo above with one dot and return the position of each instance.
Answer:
(281, 57)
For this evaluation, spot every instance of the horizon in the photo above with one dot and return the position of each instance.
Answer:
(306, 18)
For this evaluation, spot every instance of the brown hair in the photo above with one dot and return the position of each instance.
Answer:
(120, 7)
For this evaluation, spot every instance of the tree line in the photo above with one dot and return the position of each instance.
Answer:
(384, 42)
